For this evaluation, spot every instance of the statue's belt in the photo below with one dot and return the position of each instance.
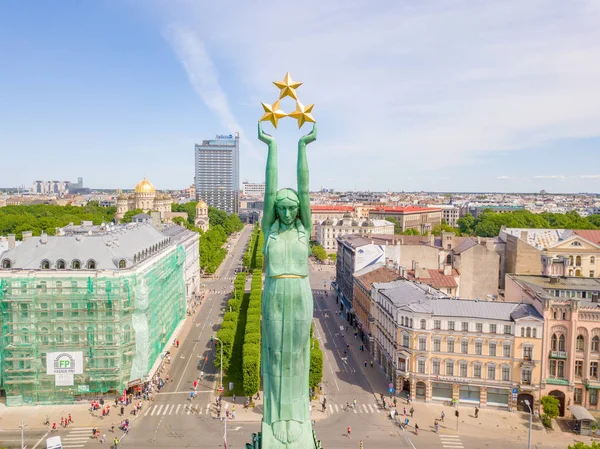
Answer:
(288, 276)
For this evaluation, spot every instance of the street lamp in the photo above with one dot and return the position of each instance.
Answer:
(22, 427)
(530, 421)
(219, 340)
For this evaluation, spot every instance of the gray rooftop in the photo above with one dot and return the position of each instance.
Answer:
(419, 298)
(106, 249)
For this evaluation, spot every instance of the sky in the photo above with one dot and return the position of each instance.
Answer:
(409, 95)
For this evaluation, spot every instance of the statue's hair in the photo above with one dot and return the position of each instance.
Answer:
(288, 193)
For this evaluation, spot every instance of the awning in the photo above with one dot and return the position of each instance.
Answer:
(581, 413)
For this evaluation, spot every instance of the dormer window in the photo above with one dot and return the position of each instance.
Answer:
(60, 264)
(576, 243)
(6, 263)
(45, 264)
(91, 264)
(76, 264)
(122, 263)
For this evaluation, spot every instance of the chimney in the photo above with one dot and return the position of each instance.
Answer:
(43, 238)
(11, 241)
(447, 270)
(478, 240)
(416, 268)
(417, 274)
(27, 235)
(524, 236)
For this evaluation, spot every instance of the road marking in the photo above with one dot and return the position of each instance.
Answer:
(79, 445)
(167, 408)
(177, 411)
(147, 410)
(354, 408)
(189, 410)
(365, 407)
(198, 409)
(336, 408)
(370, 408)
(159, 409)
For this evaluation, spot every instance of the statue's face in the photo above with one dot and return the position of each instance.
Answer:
(287, 211)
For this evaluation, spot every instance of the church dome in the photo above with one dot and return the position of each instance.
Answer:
(144, 186)
(201, 204)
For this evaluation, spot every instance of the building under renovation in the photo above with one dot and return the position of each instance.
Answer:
(90, 311)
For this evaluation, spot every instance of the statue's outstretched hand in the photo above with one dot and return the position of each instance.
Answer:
(264, 137)
(311, 136)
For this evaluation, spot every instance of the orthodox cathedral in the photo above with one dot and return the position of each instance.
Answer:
(144, 197)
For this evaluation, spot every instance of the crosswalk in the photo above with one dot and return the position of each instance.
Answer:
(77, 437)
(177, 409)
(360, 408)
(451, 441)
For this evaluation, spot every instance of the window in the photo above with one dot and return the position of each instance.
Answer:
(423, 324)
(76, 264)
(59, 310)
(522, 332)
(405, 341)
(592, 273)
(564, 315)
(595, 342)
(507, 329)
(464, 346)
(75, 335)
(43, 309)
(422, 343)
(560, 369)
(437, 343)
(528, 352)
(491, 372)
(592, 260)
(534, 333)
(91, 264)
(577, 395)
(492, 328)
(492, 349)
(60, 335)
(594, 370)
(58, 286)
(451, 325)
(109, 335)
(45, 264)
(506, 350)
(561, 342)
(479, 327)
(463, 369)
(126, 334)
(437, 324)
(528, 332)
(450, 345)
(555, 314)
(579, 368)
(576, 244)
(90, 335)
(477, 371)
(593, 397)
(478, 347)
(74, 309)
(6, 263)
(553, 368)
(465, 326)
(449, 368)
(421, 366)
(435, 367)
(24, 310)
(526, 376)
(44, 335)
(578, 260)
(505, 373)
(553, 342)
(579, 343)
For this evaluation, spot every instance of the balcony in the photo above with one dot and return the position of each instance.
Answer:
(558, 354)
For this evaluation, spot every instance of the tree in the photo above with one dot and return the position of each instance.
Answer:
(180, 221)
(551, 407)
(466, 224)
(319, 252)
(411, 231)
(130, 214)
(394, 220)
(581, 445)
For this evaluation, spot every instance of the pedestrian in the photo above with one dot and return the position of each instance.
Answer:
(354, 403)
(443, 415)
(122, 410)
(177, 342)
(406, 422)
(70, 419)
(412, 411)
(191, 395)
(371, 363)
(103, 439)
(112, 428)
(234, 398)
(416, 429)
(404, 411)
(394, 402)
(360, 445)
(116, 442)
(258, 395)
(436, 426)
(349, 430)
(476, 412)
(365, 363)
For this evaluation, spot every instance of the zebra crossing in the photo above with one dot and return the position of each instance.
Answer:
(177, 409)
(77, 437)
(360, 408)
(451, 441)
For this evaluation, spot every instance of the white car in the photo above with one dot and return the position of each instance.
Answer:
(54, 443)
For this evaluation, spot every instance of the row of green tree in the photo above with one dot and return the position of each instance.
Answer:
(44, 217)
(252, 337)
(316, 362)
(488, 224)
(229, 327)
(436, 230)
(253, 257)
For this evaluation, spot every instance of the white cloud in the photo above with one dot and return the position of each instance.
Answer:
(502, 177)
(457, 81)
(558, 177)
(589, 177)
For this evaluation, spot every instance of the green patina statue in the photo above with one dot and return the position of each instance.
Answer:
(287, 305)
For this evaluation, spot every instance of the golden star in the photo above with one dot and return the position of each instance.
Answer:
(272, 113)
(302, 114)
(287, 87)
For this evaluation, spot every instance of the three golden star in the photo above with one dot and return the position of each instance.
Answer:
(272, 113)
(287, 88)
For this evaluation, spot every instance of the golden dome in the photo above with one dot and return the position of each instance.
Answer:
(144, 186)
(201, 204)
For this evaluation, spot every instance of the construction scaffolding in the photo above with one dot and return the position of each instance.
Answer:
(119, 320)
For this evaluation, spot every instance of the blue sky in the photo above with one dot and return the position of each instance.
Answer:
(445, 96)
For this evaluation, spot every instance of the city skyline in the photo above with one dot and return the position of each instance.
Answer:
(449, 98)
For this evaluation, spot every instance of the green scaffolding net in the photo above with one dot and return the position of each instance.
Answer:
(120, 321)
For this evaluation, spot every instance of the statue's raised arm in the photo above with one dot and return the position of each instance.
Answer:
(303, 184)
(270, 180)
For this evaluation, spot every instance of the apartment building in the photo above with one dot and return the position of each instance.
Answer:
(441, 349)
(571, 338)
(422, 219)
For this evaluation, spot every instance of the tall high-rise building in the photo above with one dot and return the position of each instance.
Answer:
(218, 172)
